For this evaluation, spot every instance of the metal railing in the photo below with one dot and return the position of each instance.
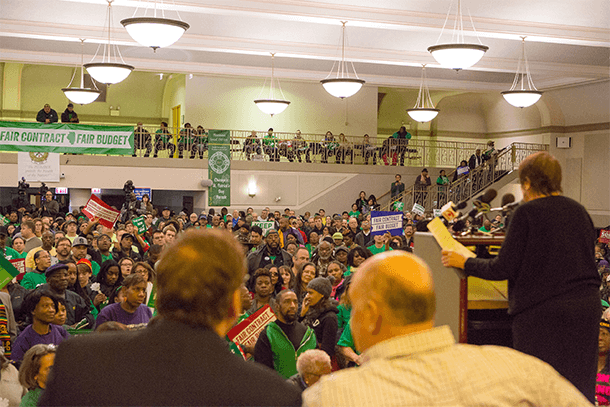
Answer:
(306, 147)
(464, 187)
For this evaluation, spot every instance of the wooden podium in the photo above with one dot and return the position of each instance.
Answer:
(452, 291)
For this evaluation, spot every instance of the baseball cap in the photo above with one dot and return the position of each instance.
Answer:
(338, 235)
(70, 105)
(54, 268)
(341, 248)
(128, 235)
(80, 241)
(270, 231)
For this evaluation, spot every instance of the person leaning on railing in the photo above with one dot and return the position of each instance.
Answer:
(344, 149)
(164, 141)
(368, 150)
(201, 141)
(270, 145)
(252, 145)
(186, 141)
(299, 146)
(142, 139)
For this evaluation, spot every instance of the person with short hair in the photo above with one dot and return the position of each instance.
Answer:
(69, 115)
(311, 365)
(268, 253)
(80, 248)
(283, 340)
(78, 311)
(27, 233)
(36, 277)
(141, 139)
(263, 291)
(548, 260)
(169, 235)
(406, 358)
(47, 115)
(164, 141)
(210, 264)
(41, 305)
(131, 312)
(34, 372)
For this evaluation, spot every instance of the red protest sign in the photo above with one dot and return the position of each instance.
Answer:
(604, 236)
(20, 266)
(99, 210)
(247, 331)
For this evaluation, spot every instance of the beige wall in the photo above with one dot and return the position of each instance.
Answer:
(228, 103)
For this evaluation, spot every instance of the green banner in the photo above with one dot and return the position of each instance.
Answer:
(66, 138)
(7, 272)
(219, 167)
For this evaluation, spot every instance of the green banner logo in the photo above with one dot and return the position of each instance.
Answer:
(219, 167)
(66, 138)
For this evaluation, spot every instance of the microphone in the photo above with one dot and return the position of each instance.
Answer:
(449, 211)
(481, 205)
(506, 200)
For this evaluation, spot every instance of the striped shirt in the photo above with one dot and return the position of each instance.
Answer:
(428, 368)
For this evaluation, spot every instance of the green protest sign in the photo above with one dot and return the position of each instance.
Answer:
(66, 138)
(418, 209)
(140, 225)
(264, 225)
(153, 296)
(219, 167)
(7, 272)
(4, 221)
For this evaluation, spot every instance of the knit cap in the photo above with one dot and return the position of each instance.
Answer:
(321, 285)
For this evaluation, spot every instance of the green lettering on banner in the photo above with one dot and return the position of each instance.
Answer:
(139, 223)
(219, 167)
(264, 225)
(66, 138)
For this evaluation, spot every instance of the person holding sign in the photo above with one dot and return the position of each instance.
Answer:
(553, 284)
(198, 299)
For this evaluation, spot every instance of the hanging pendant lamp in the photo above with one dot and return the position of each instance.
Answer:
(424, 110)
(271, 105)
(111, 69)
(155, 32)
(341, 85)
(526, 94)
(82, 95)
(457, 54)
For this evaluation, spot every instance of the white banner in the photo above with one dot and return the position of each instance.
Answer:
(38, 167)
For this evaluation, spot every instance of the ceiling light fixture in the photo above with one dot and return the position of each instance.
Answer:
(340, 85)
(272, 105)
(155, 32)
(82, 95)
(112, 69)
(457, 54)
(527, 94)
(424, 110)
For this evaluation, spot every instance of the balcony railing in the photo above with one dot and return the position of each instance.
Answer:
(305, 147)
(465, 187)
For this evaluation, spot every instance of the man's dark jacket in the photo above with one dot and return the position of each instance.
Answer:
(166, 364)
(260, 258)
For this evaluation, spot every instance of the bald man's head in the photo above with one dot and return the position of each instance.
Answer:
(393, 293)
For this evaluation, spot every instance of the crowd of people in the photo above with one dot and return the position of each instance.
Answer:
(327, 279)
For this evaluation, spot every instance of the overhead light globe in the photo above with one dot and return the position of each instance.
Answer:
(458, 56)
(109, 73)
(422, 115)
(272, 106)
(155, 32)
(522, 98)
(342, 87)
(81, 96)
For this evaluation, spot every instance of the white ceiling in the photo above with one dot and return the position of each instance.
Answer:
(568, 40)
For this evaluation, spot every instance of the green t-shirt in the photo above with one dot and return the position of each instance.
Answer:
(375, 250)
(482, 229)
(31, 398)
(95, 267)
(163, 136)
(11, 254)
(310, 249)
(354, 214)
(104, 257)
(33, 279)
(343, 315)
(346, 340)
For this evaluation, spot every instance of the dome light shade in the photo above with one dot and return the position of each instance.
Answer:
(523, 92)
(82, 96)
(422, 114)
(155, 32)
(458, 56)
(342, 87)
(109, 73)
(522, 98)
(340, 84)
(272, 106)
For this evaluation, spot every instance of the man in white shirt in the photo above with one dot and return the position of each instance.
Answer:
(409, 362)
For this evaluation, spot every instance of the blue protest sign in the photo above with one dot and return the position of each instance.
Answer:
(385, 221)
(140, 192)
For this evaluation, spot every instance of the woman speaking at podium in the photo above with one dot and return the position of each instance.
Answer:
(553, 284)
